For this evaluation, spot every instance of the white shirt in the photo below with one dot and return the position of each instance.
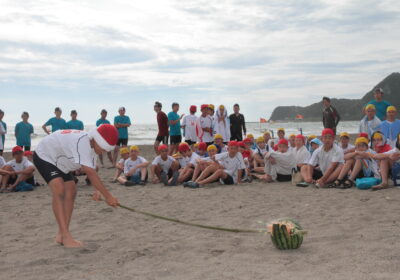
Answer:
(24, 164)
(285, 162)
(184, 161)
(231, 164)
(259, 151)
(206, 122)
(129, 164)
(2, 162)
(190, 122)
(122, 161)
(164, 164)
(349, 147)
(68, 150)
(302, 155)
(2, 132)
(325, 159)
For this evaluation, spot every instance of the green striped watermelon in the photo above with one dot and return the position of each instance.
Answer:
(286, 234)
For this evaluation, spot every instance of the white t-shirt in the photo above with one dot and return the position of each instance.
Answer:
(206, 122)
(129, 164)
(122, 161)
(393, 151)
(325, 159)
(190, 123)
(302, 155)
(258, 151)
(68, 150)
(231, 164)
(349, 147)
(184, 161)
(24, 164)
(164, 164)
(2, 162)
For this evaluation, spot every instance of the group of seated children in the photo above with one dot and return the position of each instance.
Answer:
(17, 174)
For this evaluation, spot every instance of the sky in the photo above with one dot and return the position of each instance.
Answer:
(90, 55)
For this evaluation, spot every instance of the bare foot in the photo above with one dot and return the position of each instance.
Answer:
(58, 239)
(71, 243)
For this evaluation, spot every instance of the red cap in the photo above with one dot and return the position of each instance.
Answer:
(162, 147)
(247, 140)
(202, 146)
(17, 149)
(183, 147)
(233, 144)
(204, 106)
(28, 153)
(328, 131)
(193, 109)
(106, 136)
(246, 154)
(283, 142)
(241, 144)
(275, 147)
(299, 136)
(363, 134)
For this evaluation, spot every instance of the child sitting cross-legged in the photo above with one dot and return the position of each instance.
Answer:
(202, 163)
(259, 154)
(187, 162)
(359, 163)
(124, 152)
(164, 168)
(135, 169)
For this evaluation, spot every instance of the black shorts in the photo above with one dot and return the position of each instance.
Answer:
(228, 180)
(162, 139)
(27, 148)
(122, 142)
(50, 171)
(283, 178)
(30, 180)
(175, 139)
(190, 142)
(317, 174)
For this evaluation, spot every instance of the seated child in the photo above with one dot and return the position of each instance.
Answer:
(124, 152)
(218, 142)
(187, 162)
(203, 163)
(164, 168)
(379, 143)
(302, 155)
(135, 169)
(248, 153)
(279, 164)
(202, 149)
(329, 158)
(360, 163)
(267, 138)
(292, 141)
(18, 170)
(259, 154)
(227, 168)
(309, 139)
(344, 143)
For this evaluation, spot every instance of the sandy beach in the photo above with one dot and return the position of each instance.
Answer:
(352, 233)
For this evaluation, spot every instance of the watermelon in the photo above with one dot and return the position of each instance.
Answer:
(286, 234)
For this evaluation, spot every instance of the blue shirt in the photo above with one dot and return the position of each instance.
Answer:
(56, 124)
(101, 121)
(23, 133)
(5, 128)
(175, 129)
(381, 108)
(122, 131)
(75, 124)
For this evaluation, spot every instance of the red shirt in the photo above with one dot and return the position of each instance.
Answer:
(383, 149)
(162, 121)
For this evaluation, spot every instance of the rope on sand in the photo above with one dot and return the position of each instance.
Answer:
(191, 224)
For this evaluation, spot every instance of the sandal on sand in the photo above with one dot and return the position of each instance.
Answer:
(348, 184)
(336, 184)
(381, 186)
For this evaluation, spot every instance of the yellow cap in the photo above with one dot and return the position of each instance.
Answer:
(177, 155)
(212, 148)
(134, 148)
(344, 134)
(281, 129)
(312, 136)
(222, 107)
(124, 150)
(196, 145)
(250, 135)
(370, 106)
(360, 140)
(218, 136)
(267, 132)
(391, 108)
(211, 106)
(377, 136)
(260, 140)
(292, 135)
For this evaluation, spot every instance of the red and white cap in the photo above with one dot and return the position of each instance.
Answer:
(106, 136)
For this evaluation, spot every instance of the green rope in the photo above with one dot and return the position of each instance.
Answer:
(189, 223)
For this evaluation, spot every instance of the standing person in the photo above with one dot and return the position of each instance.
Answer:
(64, 151)
(23, 131)
(189, 125)
(56, 122)
(330, 116)
(162, 122)
(222, 126)
(122, 123)
(174, 121)
(74, 123)
(391, 126)
(380, 104)
(103, 120)
(3, 131)
(237, 124)
(370, 123)
(206, 123)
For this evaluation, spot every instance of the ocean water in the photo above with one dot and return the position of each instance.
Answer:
(144, 134)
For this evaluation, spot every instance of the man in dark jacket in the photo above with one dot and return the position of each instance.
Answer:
(237, 124)
(330, 116)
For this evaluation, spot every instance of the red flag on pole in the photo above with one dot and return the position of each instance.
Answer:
(299, 117)
(262, 120)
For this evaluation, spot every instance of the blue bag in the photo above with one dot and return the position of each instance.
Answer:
(367, 182)
(24, 187)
